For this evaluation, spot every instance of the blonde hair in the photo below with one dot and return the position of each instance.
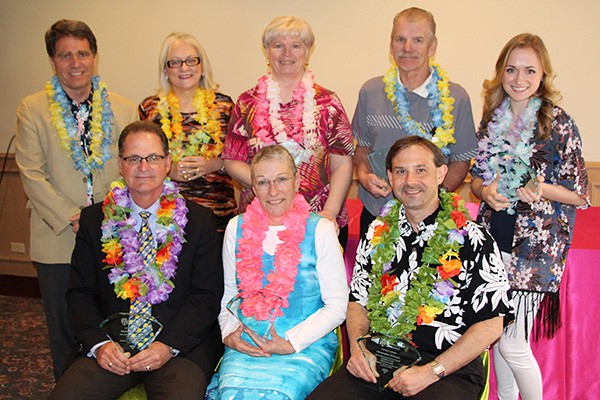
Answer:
(206, 81)
(494, 94)
(286, 26)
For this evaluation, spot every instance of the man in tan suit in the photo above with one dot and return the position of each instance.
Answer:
(66, 150)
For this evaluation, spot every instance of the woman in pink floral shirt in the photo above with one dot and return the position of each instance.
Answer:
(288, 108)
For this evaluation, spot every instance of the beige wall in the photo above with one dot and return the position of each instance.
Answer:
(352, 44)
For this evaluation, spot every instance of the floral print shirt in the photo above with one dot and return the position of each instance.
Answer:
(334, 136)
(544, 230)
(482, 285)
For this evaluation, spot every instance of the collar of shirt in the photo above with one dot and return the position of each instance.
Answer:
(153, 209)
(426, 227)
(420, 91)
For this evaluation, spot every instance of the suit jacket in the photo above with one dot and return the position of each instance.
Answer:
(189, 316)
(54, 188)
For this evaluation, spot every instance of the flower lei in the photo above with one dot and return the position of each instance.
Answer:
(506, 150)
(206, 140)
(65, 124)
(249, 264)
(430, 289)
(440, 101)
(301, 136)
(120, 243)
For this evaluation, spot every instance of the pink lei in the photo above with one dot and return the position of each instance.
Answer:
(249, 266)
(300, 136)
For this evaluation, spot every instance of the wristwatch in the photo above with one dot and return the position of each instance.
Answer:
(438, 369)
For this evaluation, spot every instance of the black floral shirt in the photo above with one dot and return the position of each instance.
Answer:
(482, 291)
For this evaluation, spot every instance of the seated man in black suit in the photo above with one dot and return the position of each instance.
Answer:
(144, 246)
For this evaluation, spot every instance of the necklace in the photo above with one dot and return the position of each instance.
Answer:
(393, 312)
(300, 137)
(65, 124)
(249, 265)
(440, 101)
(120, 243)
(204, 141)
(506, 150)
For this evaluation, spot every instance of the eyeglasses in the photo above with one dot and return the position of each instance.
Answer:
(152, 159)
(190, 62)
(80, 55)
(280, 182)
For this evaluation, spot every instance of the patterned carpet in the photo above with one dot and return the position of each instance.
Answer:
(25, 364)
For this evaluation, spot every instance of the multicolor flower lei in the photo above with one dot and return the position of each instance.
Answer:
(206, 140)
(299, 138)
(120, 244)
(249, 265)
(394, 310)
(63, 120)
(506, 150)
(440, 101)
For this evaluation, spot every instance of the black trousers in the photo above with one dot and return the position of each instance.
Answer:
(344, 386)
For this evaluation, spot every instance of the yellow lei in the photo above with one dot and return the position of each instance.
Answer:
(206, 140)
(64, 123)
(441, 101)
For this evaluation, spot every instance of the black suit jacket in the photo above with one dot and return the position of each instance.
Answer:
(189, 316)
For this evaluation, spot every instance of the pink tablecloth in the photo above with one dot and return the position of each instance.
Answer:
(570, 362)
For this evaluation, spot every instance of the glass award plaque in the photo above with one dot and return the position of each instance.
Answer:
(392, 354)
(377, 162)
(259, 328)
(116, 328)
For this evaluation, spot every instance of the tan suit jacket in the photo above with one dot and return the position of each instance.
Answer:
(55, 189)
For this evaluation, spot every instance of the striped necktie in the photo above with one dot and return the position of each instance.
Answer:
(140, 332)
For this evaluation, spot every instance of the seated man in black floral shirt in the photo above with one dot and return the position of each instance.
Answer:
(426, 273)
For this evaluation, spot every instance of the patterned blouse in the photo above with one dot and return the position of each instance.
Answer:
(481, 294)
(215, 190)
(544, 230)
(334, 136)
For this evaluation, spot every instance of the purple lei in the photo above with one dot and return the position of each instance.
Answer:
(119, 225)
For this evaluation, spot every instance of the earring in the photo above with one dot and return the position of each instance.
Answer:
(306, 64)
(268, 63)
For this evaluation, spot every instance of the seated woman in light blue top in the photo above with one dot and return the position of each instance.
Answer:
(284, 267)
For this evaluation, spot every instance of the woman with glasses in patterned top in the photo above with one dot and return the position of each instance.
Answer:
(194, 117)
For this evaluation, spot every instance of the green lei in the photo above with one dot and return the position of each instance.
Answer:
(425, 298)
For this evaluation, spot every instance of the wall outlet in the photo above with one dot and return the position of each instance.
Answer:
(16, 247)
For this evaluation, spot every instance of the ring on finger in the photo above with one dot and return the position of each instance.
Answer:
(148, 368)
(110, 364)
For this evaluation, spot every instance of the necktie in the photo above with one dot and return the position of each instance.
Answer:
(140, 332)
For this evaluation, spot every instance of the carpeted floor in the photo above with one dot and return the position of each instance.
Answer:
(25, 364)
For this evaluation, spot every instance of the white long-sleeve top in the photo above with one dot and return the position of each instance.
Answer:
(331, 273)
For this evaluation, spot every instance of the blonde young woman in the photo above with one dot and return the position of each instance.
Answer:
(194, 116)
(531, 177)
